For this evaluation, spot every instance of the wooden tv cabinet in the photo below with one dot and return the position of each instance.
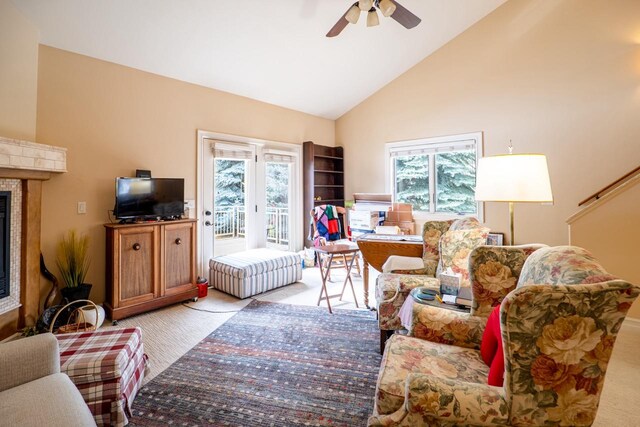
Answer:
(149, 265)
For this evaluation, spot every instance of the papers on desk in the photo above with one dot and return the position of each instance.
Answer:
(393, 237)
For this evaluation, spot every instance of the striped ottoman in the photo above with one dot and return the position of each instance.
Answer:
(252, 272)
(107, 366)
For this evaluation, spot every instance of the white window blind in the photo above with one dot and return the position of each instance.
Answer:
(278, 158)
(422, 149)
(228, 151)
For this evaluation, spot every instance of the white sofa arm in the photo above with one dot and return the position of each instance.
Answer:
(28, 359)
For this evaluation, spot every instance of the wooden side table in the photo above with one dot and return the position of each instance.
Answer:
(376, 248)
(325, 266)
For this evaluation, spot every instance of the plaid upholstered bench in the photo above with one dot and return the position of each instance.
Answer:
(255, 271)
(108, 367)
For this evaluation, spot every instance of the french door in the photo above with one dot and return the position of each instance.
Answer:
(248, 199)
(232, 219)
(278, 192)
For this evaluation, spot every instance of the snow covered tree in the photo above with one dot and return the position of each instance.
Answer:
(277, 185)
(412, 181)
(229, 182)
(456, 182)
(455, 175)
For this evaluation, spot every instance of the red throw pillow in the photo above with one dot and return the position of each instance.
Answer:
(491, 349)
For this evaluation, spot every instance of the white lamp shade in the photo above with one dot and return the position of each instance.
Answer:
(353, 14)
(387, 7)
(513, 178)
(365, 5)
(372, 18)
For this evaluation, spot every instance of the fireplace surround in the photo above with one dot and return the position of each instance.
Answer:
(24, 166)
(5, 244)
(10, 243)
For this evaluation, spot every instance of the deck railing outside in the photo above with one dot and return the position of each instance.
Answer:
(230, 223)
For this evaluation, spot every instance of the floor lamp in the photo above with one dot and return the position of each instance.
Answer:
(513, 178)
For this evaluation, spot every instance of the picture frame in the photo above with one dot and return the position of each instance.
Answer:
(495, 239)
(449, 284)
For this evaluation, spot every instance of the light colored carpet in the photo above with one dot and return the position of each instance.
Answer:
(170, 332)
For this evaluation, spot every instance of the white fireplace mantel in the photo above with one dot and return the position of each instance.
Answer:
(23, 167)
(16, 154)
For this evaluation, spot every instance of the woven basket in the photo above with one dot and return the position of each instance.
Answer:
(76, 321)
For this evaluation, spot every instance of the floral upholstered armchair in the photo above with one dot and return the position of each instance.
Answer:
(493, 273)
(558, 329)
(447, 244)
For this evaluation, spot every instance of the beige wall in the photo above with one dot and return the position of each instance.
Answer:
(115, 119)
(18, 92)
(609, 229)
(18, 73)
(557, 77)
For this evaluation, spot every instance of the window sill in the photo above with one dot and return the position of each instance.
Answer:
(428, 216)
(438, 216)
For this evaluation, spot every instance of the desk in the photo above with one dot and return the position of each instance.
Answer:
(325, 267)
(376, 248)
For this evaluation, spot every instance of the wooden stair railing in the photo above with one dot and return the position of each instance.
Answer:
(610, 187)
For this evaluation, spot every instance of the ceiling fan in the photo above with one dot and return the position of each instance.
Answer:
(387, 7)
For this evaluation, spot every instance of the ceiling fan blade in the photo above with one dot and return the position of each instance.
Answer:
(404, 17)
(337, 29)
(340, 25)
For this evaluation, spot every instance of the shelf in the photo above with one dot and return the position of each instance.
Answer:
(328, 157)
(324, 201)
(326, 171)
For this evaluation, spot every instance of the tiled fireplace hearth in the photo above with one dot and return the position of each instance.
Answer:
(23, 167)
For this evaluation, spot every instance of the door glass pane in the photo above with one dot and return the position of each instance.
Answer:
(412, 180)
(456, 182)
(229, 206)
(277, 187)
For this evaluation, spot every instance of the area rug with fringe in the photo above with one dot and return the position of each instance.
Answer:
(271, 365)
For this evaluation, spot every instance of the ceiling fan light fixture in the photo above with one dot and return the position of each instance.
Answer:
(353, 14)
(365, 5)
(387, 7)
(372, 18)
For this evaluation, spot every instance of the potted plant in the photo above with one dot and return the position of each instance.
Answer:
(73, 261)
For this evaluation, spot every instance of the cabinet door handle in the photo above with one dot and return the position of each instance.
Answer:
(178, 241)
(136, 246)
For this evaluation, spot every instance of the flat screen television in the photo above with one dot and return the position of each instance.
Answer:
(149, 198)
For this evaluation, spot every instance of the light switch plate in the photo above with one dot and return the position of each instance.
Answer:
(82, 207)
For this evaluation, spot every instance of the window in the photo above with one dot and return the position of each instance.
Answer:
(435, 175)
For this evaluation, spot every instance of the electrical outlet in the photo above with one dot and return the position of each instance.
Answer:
(82, 207)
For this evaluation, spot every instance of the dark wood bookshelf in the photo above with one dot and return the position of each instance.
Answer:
(323, 178)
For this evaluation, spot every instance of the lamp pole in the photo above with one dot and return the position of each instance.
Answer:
(513, 240)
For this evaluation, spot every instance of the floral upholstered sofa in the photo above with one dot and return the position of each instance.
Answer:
(558, 329)
(447, 244)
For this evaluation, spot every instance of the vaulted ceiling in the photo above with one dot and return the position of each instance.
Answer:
(273, 51)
